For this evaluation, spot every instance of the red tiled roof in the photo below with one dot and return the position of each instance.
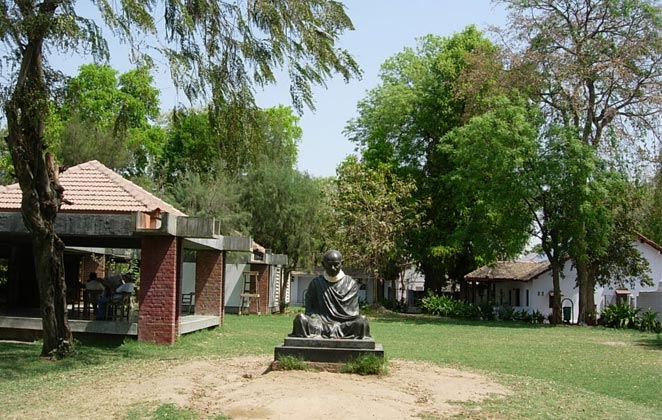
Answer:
(650, 242)
(508, 270)
(92, 187)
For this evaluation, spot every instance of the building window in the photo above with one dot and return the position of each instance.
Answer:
(517, 297)
(527, 297)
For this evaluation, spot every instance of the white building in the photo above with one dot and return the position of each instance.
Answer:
(527, 285)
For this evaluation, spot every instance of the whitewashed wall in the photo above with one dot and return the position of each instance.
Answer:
(188, 278)
(540, 288)
(234, 285)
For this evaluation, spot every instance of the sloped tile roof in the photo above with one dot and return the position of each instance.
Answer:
(93, 188)
(508, 270)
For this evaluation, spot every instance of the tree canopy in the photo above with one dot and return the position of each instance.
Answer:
(217, 51)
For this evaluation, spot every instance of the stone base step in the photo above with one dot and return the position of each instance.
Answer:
(326, 354)
(366, 343)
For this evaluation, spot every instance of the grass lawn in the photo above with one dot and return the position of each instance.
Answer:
(555, 372)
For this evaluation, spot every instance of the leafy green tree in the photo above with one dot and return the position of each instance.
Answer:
(282, 135)
(652, 224)
(372, 214)
(193, 144)
(407, 122)
(189, 145)
(216, 195)
(558, 177)
(288, 213)
(597, 73)
(110, 118)
(402, 120)
(488, 159)
(215, 49)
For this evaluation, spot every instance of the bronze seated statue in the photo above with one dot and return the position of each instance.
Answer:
(332, 305)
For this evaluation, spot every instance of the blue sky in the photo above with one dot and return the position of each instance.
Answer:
(383, 28)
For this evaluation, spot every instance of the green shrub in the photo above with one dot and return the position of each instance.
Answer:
(522, 315)
(537, 317)
(467, 311)
(649, 322)
(292, 363)
(487, 311)
(368, 364)
(506, 313)
(395, 305)
(439, 305)
(620, 315)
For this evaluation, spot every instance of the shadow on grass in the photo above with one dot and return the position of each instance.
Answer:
(23, 360)
(418, 319)
(654, 343)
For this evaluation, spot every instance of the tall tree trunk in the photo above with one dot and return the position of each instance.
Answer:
(556, 301)
(48, 256)
(582, 283)
(36, 171)
(587, 313)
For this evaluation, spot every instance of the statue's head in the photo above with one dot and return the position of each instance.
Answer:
(332, 262)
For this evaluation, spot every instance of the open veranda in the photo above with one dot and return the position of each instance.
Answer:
(549, 371)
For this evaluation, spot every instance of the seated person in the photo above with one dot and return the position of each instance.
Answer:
(127, 286)
(112, 283)
(332, 305)
(93, 283)
(94, 290)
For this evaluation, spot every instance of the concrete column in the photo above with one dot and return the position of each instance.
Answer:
(158, 317)
(209, 284)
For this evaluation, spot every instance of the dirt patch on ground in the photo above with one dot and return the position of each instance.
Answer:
(244, 388)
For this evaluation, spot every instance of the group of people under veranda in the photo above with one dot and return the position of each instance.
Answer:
(108, 289)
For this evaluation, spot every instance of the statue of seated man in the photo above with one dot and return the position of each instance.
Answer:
(332, 305)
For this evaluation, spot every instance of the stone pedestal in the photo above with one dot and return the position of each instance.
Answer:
(323, 350)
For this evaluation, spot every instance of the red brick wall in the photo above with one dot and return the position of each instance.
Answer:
(93, 265)
(209, 284)
(158, 318)
(262, 289)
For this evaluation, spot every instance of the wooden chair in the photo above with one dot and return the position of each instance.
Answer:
(188, 300)
(119, 309)
(90, 300)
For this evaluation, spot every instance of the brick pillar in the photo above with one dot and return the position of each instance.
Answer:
(262, 288)
(209, 284)
(158, 318)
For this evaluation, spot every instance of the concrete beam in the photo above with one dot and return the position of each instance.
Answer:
(75, 224)
(198, 227)
(224, 243)
(277, 259)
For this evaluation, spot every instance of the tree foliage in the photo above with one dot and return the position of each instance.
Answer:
(652, 224)
(437, 111)
(288, 213)
(216, 50)
(598, 64)
(490, 189)
(596, 72)
(372, 215)
(109, 117)
(194, 145)
(402, 120)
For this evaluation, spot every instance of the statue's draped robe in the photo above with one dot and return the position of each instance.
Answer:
(332, 311)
